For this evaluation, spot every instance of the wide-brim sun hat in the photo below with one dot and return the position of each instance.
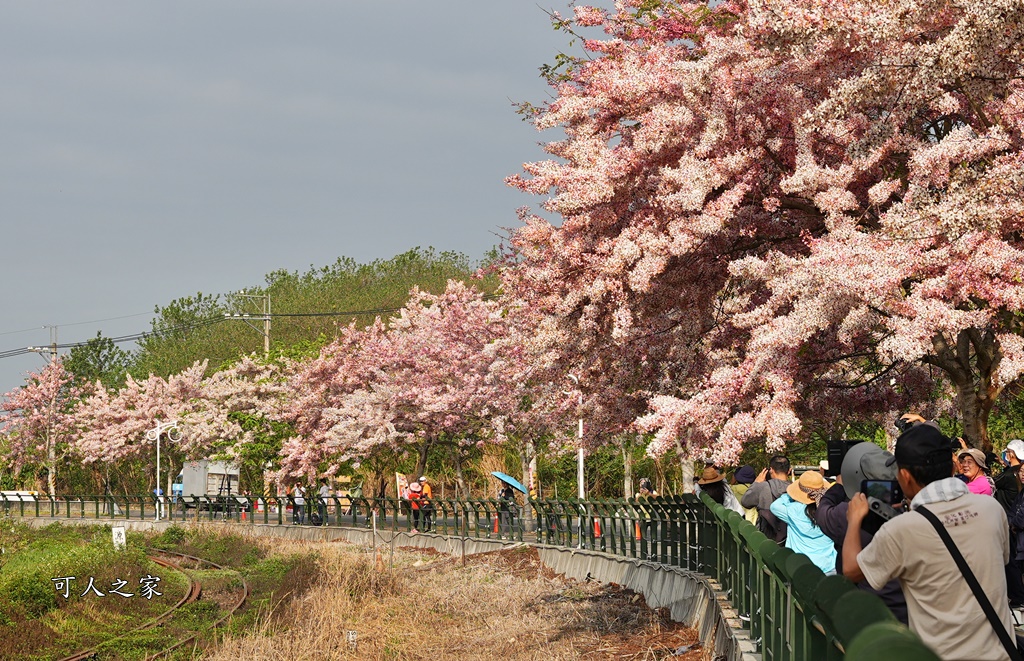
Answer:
(809, 488)
(415, 486)
(710, 475)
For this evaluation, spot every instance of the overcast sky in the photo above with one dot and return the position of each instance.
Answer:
(150, 150)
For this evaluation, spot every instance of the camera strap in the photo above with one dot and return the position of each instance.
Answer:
(979, 594)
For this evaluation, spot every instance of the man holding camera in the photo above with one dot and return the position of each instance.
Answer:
(943, 608)
(771, 483)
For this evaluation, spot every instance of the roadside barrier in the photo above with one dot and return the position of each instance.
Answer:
(793, 611)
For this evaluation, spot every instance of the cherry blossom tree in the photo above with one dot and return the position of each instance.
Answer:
(37, 420)
(786, 209)
(419, 379)
(112, 425)
(239, 414)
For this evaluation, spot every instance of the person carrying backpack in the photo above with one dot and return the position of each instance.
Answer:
(415, 498)
(771, 483)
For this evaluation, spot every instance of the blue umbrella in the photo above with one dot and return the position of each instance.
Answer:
(509, 480)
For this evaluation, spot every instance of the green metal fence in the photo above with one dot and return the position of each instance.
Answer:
(794, 611)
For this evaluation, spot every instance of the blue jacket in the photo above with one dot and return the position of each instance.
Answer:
(804, 536)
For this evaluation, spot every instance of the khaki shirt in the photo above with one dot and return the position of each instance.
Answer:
(942, 609)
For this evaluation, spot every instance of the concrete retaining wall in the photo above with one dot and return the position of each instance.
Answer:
(691, 598)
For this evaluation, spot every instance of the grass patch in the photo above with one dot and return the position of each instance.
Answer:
(37, 620)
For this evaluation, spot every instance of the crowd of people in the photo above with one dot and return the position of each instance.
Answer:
(301, 511)
(935, 529)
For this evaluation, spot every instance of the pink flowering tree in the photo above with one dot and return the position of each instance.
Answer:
(788, 210)
(37, 420)
(421, 379)
(238, 414)
(112, 425)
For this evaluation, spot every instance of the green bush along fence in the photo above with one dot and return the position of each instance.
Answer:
(794, 612)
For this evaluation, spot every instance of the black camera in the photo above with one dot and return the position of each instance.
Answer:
(903, 424)
(887, 491)
(885, 498)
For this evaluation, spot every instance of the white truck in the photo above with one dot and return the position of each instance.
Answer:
(217, 480)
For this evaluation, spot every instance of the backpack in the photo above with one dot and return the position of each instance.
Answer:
(771, 526)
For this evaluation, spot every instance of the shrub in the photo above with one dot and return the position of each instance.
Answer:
(34, 592)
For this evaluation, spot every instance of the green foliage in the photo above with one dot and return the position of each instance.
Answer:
(49, 626)
(99, 359)
(185, 331)
(228, 550)
(197, 615)
(138, 646)
(263, 450)
(33, 558)
(603, 472)
(1007, 419)
(169, 538)
(32, 591)
(195, 327)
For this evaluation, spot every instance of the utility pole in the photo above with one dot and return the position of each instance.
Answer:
(51, 445)
(245, 317)
(266, 326)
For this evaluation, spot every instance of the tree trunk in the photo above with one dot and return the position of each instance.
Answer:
(627, 470)
(970, 364)
(462, 491)
(421, 462)
(687, 466)
(528, 459)
(51, 465)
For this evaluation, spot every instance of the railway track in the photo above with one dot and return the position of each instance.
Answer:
(193, 594)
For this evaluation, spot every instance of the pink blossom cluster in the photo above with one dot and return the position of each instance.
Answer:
(787, 209)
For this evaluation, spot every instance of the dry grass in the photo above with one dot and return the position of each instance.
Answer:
(502, 605)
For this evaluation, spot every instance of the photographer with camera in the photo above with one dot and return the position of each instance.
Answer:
(770, 483)
(948, 553)
(864, 462)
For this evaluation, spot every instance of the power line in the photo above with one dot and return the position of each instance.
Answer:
(353, 313)
(98, 321)
(10, 353)
(25, 330)
(78, 323)
(202, 323)
(162, 331)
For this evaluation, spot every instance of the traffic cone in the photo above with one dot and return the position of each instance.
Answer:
(637, 524)
(597, 528)
(495, 524)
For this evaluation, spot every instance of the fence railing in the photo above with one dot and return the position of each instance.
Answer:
(794, 611)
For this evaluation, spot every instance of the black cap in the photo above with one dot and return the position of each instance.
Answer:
(921, 445)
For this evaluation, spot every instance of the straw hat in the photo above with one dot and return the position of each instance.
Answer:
(809, 488)
(710, 475)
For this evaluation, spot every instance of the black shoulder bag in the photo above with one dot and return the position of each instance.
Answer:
(972, 581)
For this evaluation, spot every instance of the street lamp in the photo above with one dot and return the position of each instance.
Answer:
(579, 453)
(169, 429)
(579, 436)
